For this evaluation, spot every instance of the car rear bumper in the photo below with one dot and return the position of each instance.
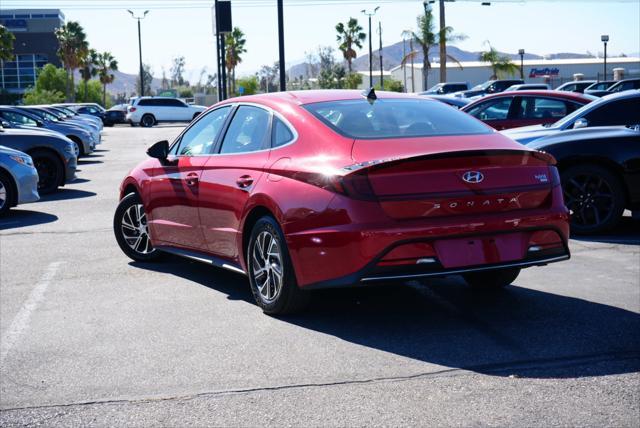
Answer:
(347, 255)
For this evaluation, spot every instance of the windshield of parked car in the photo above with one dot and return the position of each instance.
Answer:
(484, 85)
(395, 118)
(567, 120)
(43, 115)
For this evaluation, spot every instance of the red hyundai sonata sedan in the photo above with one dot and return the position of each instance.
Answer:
(315, 189)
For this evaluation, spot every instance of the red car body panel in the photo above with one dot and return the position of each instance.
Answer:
(406, 200)
(513, 121)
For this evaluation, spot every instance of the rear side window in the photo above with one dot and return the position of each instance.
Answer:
(541, 108)
(492, 110)
(394, 118)
(281, 133)
(147, 102)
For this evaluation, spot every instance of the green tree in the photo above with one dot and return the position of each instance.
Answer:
(185, 92)
(353, 81)
(88, 69)
(34, 96)
(391, 85)
(350, 35)
(6, 44)
(52, 78)
(249, 85)
(177, 70)
(94, 93)
(501, 65)
(106, 65)
(235, 47)
(73, 48)
(426, 37)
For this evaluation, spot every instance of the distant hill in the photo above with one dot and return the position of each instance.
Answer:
(123, 83)
(392, 56)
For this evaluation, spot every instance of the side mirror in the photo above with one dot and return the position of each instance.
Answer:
(159, 150)
(6, 124)
(580, 123)
(39, 123)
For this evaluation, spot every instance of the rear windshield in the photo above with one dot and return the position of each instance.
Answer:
(395, 118)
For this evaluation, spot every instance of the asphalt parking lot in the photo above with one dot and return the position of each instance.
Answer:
(90, 338)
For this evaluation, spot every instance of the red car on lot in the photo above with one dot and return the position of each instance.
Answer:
(523, 108)
(314, 189)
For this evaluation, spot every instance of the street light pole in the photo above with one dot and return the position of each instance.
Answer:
(521, 52)
(283, 77)
(443, 45)
(370, 14)
(139, 18)
(381, 72)
(605, 39)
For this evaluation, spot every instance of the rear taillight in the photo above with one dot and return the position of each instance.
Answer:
(545, 157)
(555, 175)
(132, 109)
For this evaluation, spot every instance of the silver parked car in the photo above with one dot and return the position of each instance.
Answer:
(18, 179)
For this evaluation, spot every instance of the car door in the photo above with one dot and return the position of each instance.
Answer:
(494, 112)
(181, 111)
(531, 110)
(175, 187)
(230, 176)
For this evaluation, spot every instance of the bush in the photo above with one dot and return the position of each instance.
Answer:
(35, 96)
(249, 85)
(94, 93)
(391, 85)
(52, 78)
(353, 81)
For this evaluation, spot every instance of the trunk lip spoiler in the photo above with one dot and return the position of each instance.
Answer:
(385, 162)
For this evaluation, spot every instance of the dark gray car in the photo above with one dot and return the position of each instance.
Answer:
(53, 155)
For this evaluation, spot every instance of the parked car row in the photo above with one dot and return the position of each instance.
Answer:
(39, 149)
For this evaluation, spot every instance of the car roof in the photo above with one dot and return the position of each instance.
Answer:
(318, 96)
(541, 93)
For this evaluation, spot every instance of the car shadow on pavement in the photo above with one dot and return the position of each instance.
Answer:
(513, 332)
(627, 232)
(21, 218)
(64, 194)
(86, 161)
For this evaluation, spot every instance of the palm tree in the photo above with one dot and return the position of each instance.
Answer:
(426, 38)
(348, 36)
(501, 65)
(106, 64)
(88, 69)
(235, 42)
(73, 48)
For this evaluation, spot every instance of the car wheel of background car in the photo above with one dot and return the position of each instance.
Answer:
(50, 170)
(594, 196)
(492, 279)
(147, 121)
(131, 230)
(271, 275)
(6, 193)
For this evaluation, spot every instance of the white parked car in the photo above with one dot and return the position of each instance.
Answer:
(147, 111)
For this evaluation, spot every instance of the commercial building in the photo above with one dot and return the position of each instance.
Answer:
(555, 72)
(34, 47)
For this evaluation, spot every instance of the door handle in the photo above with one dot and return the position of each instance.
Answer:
(244, 181)
(191, 179)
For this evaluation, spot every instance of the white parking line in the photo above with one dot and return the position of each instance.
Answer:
(21, 321)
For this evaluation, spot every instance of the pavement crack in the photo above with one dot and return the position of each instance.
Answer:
(485, 369)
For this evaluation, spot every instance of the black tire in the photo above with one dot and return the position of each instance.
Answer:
(595, 197)
(128, 228)
(7, 196)
(289, 298)
(147, 121)
(79, 146)
(491, 279)
(50, 171)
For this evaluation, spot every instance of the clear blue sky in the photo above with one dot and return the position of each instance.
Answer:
(540, 27)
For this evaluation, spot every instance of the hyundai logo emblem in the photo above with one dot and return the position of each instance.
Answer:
(473, 177)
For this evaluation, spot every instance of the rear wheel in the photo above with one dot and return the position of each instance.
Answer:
(50, 171)
(131, 230)
(492, 279)
(594, 196)
(6, 193)
(147, 121)
(273, 281)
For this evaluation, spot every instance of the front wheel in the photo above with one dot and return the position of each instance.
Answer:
(492, 279)
(271, 274)
(131, 230)
(50, 171)
(6, 193)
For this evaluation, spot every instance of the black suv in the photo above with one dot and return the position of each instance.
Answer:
(446, 88)
(489, 87)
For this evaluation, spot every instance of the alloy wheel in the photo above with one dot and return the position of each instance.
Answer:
(3, 195)
(47, 173)
(267, 266)
(135, 230)
(589, 198)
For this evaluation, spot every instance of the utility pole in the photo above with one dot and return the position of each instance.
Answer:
(370, 14)
(605, 39)
(283, 75)
(404, 62)
(140, 18)
(381, 71)
(443, 46)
